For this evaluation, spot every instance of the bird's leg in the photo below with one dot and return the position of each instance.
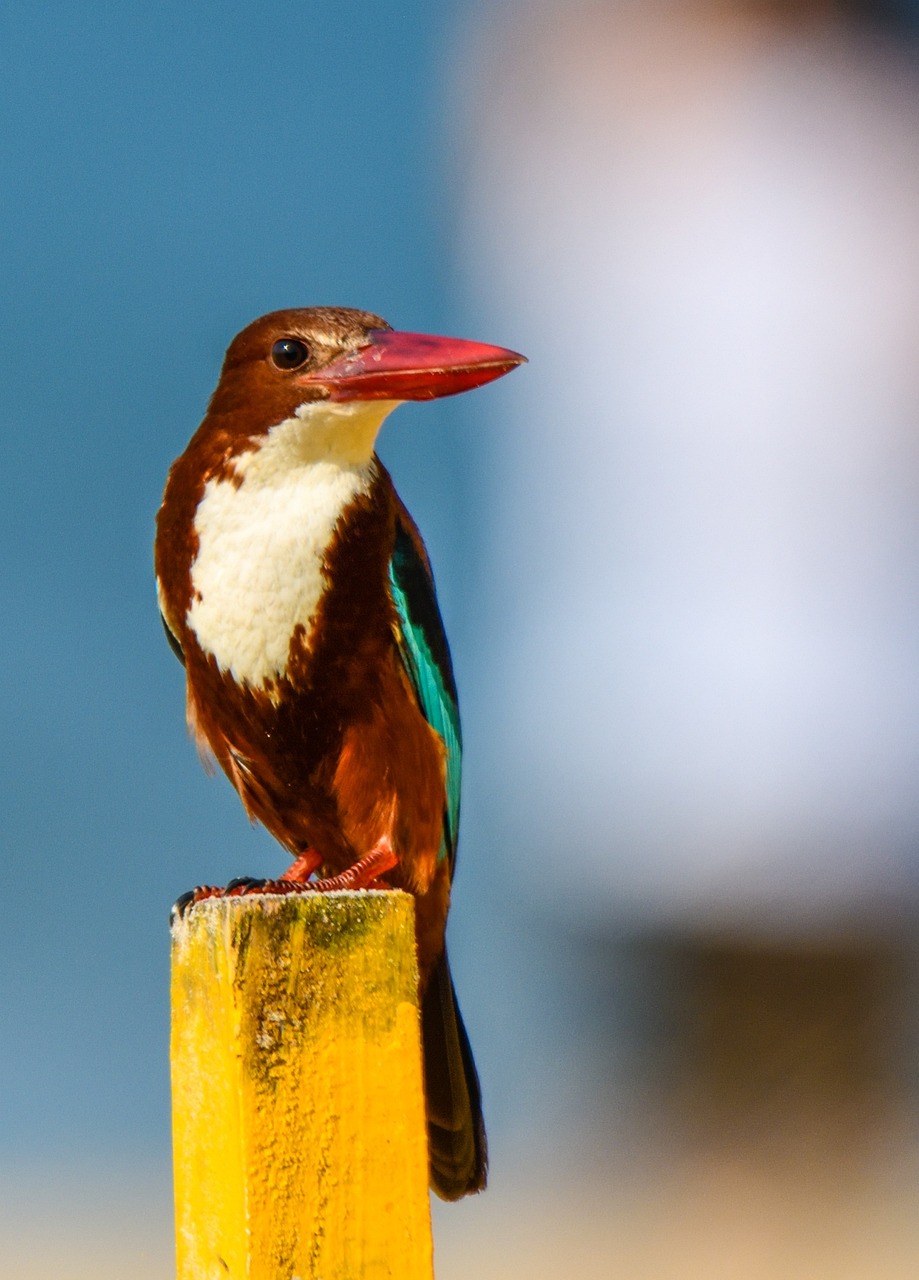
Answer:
(364, 874)
(304, 866)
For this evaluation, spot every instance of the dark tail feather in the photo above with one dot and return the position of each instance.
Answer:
(456, 1130)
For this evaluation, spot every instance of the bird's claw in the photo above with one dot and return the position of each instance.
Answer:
(180, 906)
(364, 874)
(184, 903)
(241, 885)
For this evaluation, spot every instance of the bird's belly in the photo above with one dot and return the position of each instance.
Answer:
(335, 767)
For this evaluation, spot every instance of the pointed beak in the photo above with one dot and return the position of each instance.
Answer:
(412, 366)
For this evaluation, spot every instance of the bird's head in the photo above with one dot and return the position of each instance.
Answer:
(340, 372)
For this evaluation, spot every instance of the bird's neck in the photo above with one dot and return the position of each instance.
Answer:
(321, 435)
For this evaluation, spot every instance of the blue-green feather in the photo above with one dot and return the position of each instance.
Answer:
(426, 658)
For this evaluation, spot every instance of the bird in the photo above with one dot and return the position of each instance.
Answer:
(296, 590)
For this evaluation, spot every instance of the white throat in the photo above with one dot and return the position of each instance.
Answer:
(263, 532)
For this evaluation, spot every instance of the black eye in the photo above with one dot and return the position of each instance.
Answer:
(290, 353)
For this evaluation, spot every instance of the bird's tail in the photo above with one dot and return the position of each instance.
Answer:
(456, 1130)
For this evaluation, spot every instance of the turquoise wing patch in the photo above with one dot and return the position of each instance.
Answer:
(426, 658)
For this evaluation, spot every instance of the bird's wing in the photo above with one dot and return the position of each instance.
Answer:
(206, 752)
(174, 643)
(426, 657)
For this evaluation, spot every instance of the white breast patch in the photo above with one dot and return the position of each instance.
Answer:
(258, 574)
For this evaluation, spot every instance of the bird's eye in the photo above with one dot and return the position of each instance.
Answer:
(290, 353)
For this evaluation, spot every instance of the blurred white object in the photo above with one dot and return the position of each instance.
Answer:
(703, 645)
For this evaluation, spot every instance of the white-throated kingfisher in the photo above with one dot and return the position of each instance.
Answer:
(297, 592)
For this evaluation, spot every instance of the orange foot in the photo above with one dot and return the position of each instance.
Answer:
(364, 874)
(308, 862)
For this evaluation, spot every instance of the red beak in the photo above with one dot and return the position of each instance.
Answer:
(412, 366)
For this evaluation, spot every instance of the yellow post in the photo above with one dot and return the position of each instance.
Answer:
(298, 1109)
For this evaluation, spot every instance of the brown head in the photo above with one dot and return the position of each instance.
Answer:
(290, 358)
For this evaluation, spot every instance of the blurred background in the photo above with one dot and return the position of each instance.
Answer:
(677, 558)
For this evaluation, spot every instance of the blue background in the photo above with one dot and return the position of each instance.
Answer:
(170, 172)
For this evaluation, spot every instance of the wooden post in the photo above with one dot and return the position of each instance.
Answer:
(298, 1109)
